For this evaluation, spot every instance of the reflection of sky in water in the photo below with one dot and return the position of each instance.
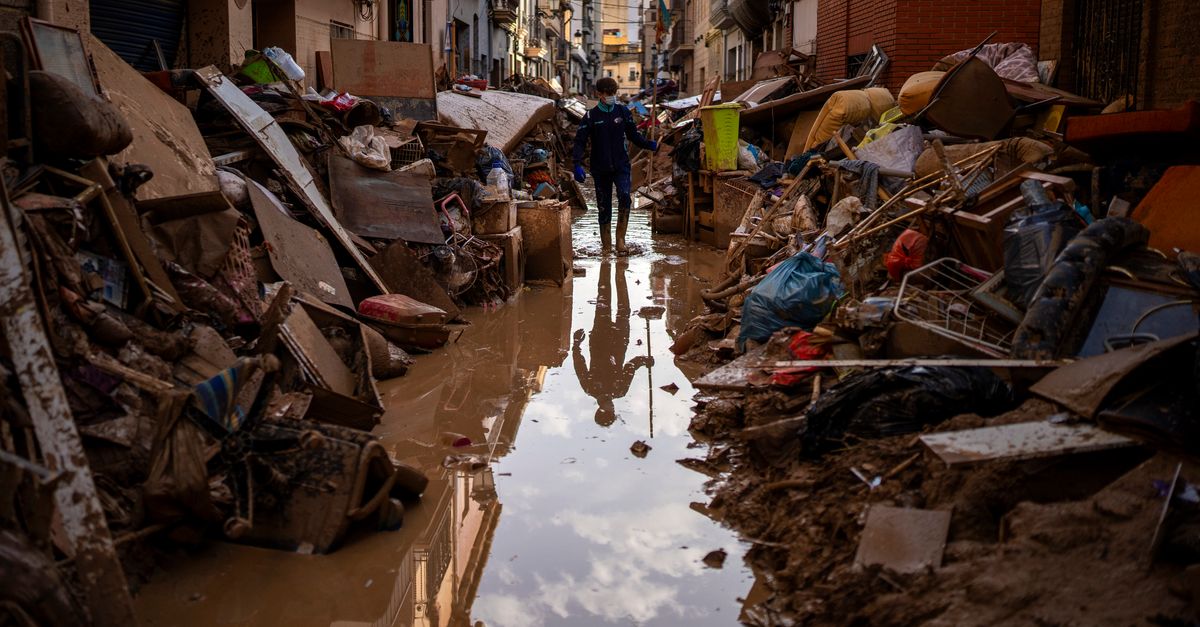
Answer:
(589, 533)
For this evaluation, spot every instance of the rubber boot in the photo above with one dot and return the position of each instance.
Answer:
(605, 238)
(622, 224)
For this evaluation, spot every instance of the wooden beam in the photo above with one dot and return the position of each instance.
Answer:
(106, 593)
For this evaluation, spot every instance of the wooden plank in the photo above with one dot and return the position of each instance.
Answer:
(105, 591)
(902, 539)
(298, 253)
(734, 375)
(125, 220)
(165, 136)
(271, 138)
(1023, 440)
(332, 372)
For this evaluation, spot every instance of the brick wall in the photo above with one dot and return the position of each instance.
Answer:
(844, 25)
(933, 29)
(916, 33)
(1171, 52)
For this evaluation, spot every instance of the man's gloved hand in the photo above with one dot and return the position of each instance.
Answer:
(579, 173)
(653, 146)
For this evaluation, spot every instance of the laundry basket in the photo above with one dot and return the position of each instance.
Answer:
(720, 136)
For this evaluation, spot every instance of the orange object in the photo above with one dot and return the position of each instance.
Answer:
(1171, 210)
(907, 254)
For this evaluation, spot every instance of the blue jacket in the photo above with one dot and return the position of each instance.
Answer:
(607, 131)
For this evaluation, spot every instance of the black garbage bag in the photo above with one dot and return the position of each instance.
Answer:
(1053, 325)
(768, 175)
(1031, 242)
(470, 190)
(895, 401)
(687, 151)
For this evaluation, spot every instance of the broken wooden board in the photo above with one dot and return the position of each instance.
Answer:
(765, 90)
(1023, 440)
(904, 540)
(299, 254)
(736, 374)
(165, 136)
(507, 116)
(405, 274)
(318, 354)
(788, 105)
(125, 220)
(385, 205)
(275, 143)
(79, 514)
(1083, 385)
(394, 74)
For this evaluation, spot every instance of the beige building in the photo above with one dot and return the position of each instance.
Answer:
(622, 62)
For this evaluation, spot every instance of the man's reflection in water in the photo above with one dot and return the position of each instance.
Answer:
(609, 376)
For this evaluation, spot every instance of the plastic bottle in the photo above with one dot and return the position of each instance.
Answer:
(497, 180)
(285, 62)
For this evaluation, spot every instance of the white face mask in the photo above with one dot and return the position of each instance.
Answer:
(610, 100)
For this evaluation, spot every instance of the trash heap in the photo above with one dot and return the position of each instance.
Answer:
(957, 326)
(205, 275)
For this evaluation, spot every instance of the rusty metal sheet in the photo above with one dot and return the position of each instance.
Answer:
(82, 517)
(299, 254)
(904, 540)
(394, 74)
(1023, 440)
(1082, 386)
(275, 142)
(385, 205)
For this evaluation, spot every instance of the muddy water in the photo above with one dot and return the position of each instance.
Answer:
(565, 526)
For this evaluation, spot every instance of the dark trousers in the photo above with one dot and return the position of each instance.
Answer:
(604, 189)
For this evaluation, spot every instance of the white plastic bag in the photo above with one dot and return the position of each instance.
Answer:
(366, 148)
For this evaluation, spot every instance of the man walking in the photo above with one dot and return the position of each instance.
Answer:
(607, 126)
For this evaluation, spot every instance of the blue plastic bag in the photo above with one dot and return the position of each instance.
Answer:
(799, 292)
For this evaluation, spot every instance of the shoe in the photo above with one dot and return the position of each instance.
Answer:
(622, 224)
(605, 238)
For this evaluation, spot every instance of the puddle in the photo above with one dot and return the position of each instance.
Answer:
(567, 526)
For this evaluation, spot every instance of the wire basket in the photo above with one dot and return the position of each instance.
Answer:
(949, 298)
(407, 153)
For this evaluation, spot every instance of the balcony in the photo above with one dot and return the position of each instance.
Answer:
(719, 15)
(504, 12)
(682, 39)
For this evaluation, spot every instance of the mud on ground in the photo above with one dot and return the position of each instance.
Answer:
(1043, 542)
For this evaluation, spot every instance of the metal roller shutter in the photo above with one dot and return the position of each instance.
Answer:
(130, 27)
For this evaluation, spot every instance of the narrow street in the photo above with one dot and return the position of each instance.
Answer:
(566, 527)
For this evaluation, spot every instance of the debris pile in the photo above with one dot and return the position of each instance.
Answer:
(205, 274)
(958, 326)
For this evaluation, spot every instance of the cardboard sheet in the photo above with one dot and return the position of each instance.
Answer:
(394, 74)
(165, 136)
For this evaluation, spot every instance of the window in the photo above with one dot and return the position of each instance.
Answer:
(633, 73)
(608, 73)
(854, 63)
(338, 30)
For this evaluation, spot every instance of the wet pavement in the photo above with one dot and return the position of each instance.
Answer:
(565, 526)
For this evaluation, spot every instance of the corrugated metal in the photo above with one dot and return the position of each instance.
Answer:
(130, 27)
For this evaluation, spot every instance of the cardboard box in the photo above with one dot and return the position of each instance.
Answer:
(514, 256)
